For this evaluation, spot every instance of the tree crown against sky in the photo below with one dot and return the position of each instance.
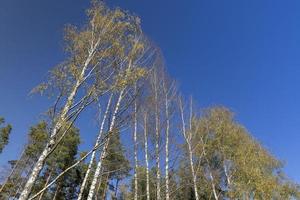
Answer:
(63, 78)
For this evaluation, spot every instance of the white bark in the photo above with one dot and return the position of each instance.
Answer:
(135, 152)
(35, 172)
(193, 172)
(157, 135)
(167, 143)
(104, 150)
(227, 175)
(209, 171)
(146, 157)
(65, 171)
(94, 152)
(70, 100)
(213, 185)
(188, 138)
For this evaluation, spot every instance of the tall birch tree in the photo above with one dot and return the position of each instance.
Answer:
(133, 63)
(188, 137)
(91, 67)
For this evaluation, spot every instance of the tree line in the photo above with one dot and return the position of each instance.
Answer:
(151, 143)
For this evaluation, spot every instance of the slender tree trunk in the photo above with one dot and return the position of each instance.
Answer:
(157, 137)
(94, 152)
(146, 157)
(56, 191)
(213, 186)
(20, 182)
(167, 145)
(135, 152)
(210, 173)
(104, 150)
(188, 139)
(227, 176)
(157, 167)
(193, 172)
(47, 181)
(40, 163)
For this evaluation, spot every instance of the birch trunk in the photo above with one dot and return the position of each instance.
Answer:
(188, 138)
(193, 172)
(94, 152)
(227, 176)
(104, 150)
(40, 163)
(157, 137)
(167, 145)
(157, 167)
(146, 158)
(213, 186)
(64, 172)
(135, 151)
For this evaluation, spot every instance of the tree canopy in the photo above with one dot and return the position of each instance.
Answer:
(149, 141)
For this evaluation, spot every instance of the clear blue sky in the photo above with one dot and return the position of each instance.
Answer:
(238, 53)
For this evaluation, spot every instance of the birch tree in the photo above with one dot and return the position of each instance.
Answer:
(135, 126)
(146, 122)
(133, 64)
(90, 66)
(232, 164)
(110, 63)
(145, 127)
(188, 136)
(98, 140)
(169, 91)
(155, 87)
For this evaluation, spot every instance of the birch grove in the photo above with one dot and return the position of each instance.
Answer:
(147, 142)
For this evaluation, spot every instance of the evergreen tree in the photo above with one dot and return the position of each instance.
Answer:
(21, 168)
(141, 171)
(116, 165)
(4, 133)
(63, 156)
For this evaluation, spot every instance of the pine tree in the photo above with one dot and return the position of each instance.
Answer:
(116, 165)
(21, 168)
(4, 133)
(63, 156)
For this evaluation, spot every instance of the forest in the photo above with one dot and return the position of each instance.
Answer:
(152, 141)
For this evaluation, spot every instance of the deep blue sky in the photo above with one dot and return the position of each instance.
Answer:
(238, 53)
